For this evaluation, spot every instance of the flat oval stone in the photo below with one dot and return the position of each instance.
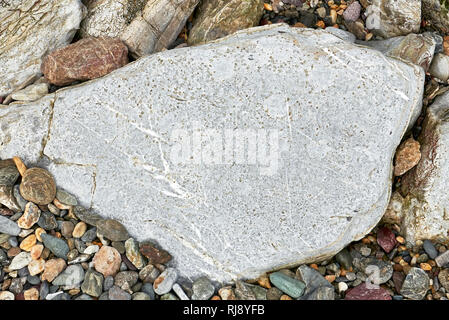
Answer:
(38, 186)
(66, 198)
(203, 289)
(58, 246)
(112, 230)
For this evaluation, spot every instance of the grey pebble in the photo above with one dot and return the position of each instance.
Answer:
(429, 248)
(148, 289)
(58, 246)
(47, 221)
(140, 296)
(9, 227)
(169, 277)
(89, 235)
(203, 289)
(115, 293)
(108, 283)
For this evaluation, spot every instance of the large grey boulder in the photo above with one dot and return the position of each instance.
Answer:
(31, 29)
(422, 207)
(316, 121)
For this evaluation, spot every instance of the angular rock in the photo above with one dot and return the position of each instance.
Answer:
(93, 283)
(31, 93)
(107, 261)
(316, 285)
(390, 18)
(443, 259)
(20, 261)
(36, 266)
(44, 26)
(416, 284)
(108, 18)
(386, 239)
(85, 59)
(219, 18)
(149, 273)
(180, 195)
(58, 246)
(53, 268)
(414, 48)
(363, 292)
(6, 295)
(133, 254)
(30, 216)
(47, 221)
(425, 208)
(407, 156)
(157, 26)
(154, 255)
(70, 278)
(125, 280)
(9, 227)
(436, 13)
(115, 293)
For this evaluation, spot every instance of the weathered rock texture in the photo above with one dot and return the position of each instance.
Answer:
(108, 18)
(30, 29)
(407, 156)
(424, 208)
(115, 143)
(390, 18)
(87, 59)
(157, 26)
(414, 48)
(218, 18)
(436, 13)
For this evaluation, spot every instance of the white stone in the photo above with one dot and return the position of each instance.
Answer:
(342, 287)
(6, 295)
(20, 261)
(390, 18)
(440, 67)
(335, 110)
(31, 93)
(30, 30)
(425, 207)
(91, 249)
(108, 18)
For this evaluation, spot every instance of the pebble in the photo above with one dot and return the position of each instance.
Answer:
(416, 284)
(154, 255)
(47, 221)
(169, 296)
(112, 230)
(203, 289)
(93, 283)
(442, 259)
(140, 296)
(181, 294)
(53, 268)
(125, 280)
(6, 295)
(227, 293)
(36, 266)
(133, 254)
(20, 261)
(378, 271)
(107, 261)
(91, 249)
(86, 215)
(38, 186)
(115, 293)
(67, 229)
(311, 278)
(30, 216)
(57, 246)
(84, 297)
(386, 239)
(66, 198)
(44, 290)
(365, 251)
(8, 227)
(362, 292)
(79, 230)
(28, 243)
(38, 232)
(13, 241)
(31, 294)
(33, 280)
(70, 278)
(80, 259)
(148, 289)
(429, 248)
(342, 287)
(344, 258)
(290, 286)
(89, 235)
(407, 156)
(16, 286)
(164, 283)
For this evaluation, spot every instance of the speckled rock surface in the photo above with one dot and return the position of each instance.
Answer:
(218, 18)
(425, 207)
(390, 18)
(157, 26)
(45, 25)
(437, 14)
(108, 18)
(229, 218)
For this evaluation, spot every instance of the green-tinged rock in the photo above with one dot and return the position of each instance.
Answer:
(290, 286)
(436, 13)
(87, 216)
(93, 283)
(133, 254)
(58, 246)
(169, 296)
(219, 18)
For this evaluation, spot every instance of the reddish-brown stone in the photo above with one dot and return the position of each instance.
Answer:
(386, 239)
(154, 255)
(86, 59)
(398, 280)
(362, 292)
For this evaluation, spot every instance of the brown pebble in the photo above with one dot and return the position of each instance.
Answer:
(407, 156)
(264, 281)
(38, 186)
(31, 294)
(80, 229)
(14, 251)
(28, 243)
(36, 251)
(38, 233)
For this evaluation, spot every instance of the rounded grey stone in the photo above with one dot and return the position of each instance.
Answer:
(167, 280)
(203, 289)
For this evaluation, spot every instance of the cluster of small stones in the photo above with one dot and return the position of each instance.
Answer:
(54, 249)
